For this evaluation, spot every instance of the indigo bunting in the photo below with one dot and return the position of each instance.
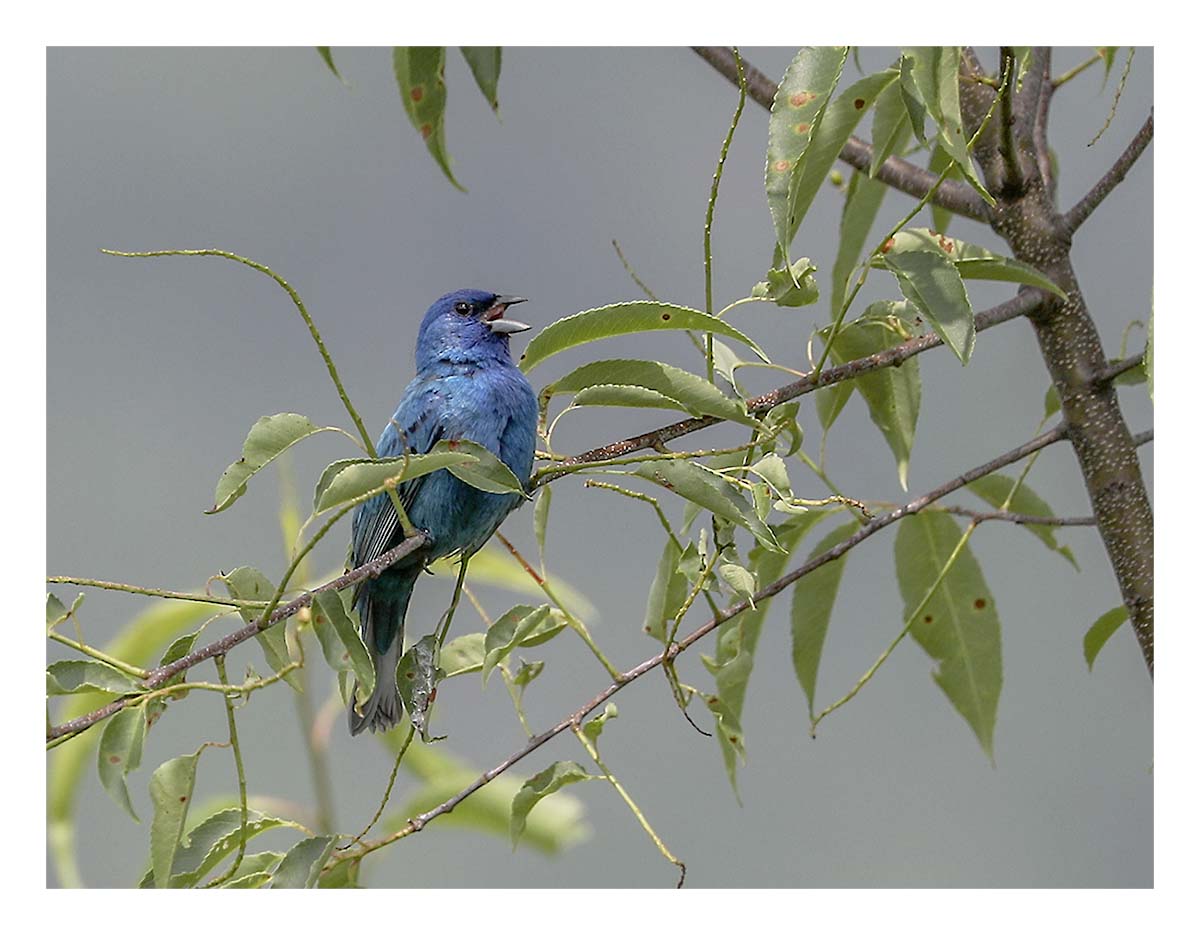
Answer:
(466, 387)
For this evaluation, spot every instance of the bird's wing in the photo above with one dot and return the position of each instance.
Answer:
(416, 427)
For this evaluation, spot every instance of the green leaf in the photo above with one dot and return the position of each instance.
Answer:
(958, 626)
(1108, 53)
(301, 865)
(255, 871)
(484, 62)
(57, 612)
(610, 321)
(740, 580)
(971, 260)
(837, 124)
(1099, 632)
(628, 397)
(527, 672)
(738, 640)
(82, 675)
(327, 58)
(250, 584)
(938, 160)
(269, 437)
(892, 394)
(891, 128)
(934, 72)
(541, 516)
(556, 824)
(593, 728)
(419, 74)
(813, 597)
(463, 655)
(799, 104)
(520, 626)
(121, 753)
(349, 478)
(863, 198)
(171, 792)
(548, 781)
(782, 419)
(667, 593)
(341, 644)
(710, 491)
(910, 96)
(995, 489)
(791, 287)
(692, 393)
(416, 679)
(831, 400)
(1052, 403)
(214, 839)
(485, 471)
(177, 650)
(932, 283)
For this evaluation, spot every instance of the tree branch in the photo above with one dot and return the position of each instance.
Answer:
(418, 822)
(1074, 218)
(957, 197)
(1023, 303)
(219, 647)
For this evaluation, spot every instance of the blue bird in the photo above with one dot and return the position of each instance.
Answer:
(466, 387)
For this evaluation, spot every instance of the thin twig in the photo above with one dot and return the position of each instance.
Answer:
(241, 775)
(1021, 519)
(1074, 218)
(1111, 372)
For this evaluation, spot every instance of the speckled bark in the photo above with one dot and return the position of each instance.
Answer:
(1027, 218)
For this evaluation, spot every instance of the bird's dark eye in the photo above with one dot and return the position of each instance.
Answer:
(462, 308)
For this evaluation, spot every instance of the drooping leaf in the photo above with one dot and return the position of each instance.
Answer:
(522, 625)
(484, 62)
(344, 480)
(1099, 632)
(121, 753)
(80, 675)
(301, 865)
(995, 489)
(791, 287)
(667, 593)
(541, 516)
(269, 437)
(327, 57)
(419, 74)
(891, 128)
(250, 584)
(863, 198)
(545, 783)
(610, 321)
(692, 393)
(892, 394)
(831, 400)
(171, 792)
(934, 72)
(813, 597)
(958, 626)
(485, 471)
(738, 640)
(710, 491)
(416, 679)
(932, 283)
(799, 104)
(341, 644)
(910, 96)
(527, 672)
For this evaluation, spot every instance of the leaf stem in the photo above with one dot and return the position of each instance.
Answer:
(241, 774)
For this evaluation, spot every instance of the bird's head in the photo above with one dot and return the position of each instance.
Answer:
(467, 326)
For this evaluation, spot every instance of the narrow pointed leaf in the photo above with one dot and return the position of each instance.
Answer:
(327, 57)
(484, 62)
(710, 491)
(610, 321)
(121, 753)
(813, 597)
(340, 641)
(863, 198)
(938, 160)
(301, 866)
(1099, 632)
(958, 627)
(485, 471)
(523, 625)
(214, 839)
(344, 480)
(995, 489)
(692, 393)
(269, 437)
(419, 74)
(634, 397)
(932, 283)
(254, 872)
(547, 782)
(667, 592)
(250, 584)
(80, 675)
(171, 792)
(891, 128)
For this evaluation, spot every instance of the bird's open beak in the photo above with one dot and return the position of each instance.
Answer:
(495, 319)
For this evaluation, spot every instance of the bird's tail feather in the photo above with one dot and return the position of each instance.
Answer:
(382, 617)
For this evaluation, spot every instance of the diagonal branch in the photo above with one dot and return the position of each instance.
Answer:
(219, 647)
(957, 197)
(418, 822)
(1024, 303)
(1112, 178)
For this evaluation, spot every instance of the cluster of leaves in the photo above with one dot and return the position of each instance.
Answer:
(745, 491)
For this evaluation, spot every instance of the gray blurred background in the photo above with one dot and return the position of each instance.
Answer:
(157, 368)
